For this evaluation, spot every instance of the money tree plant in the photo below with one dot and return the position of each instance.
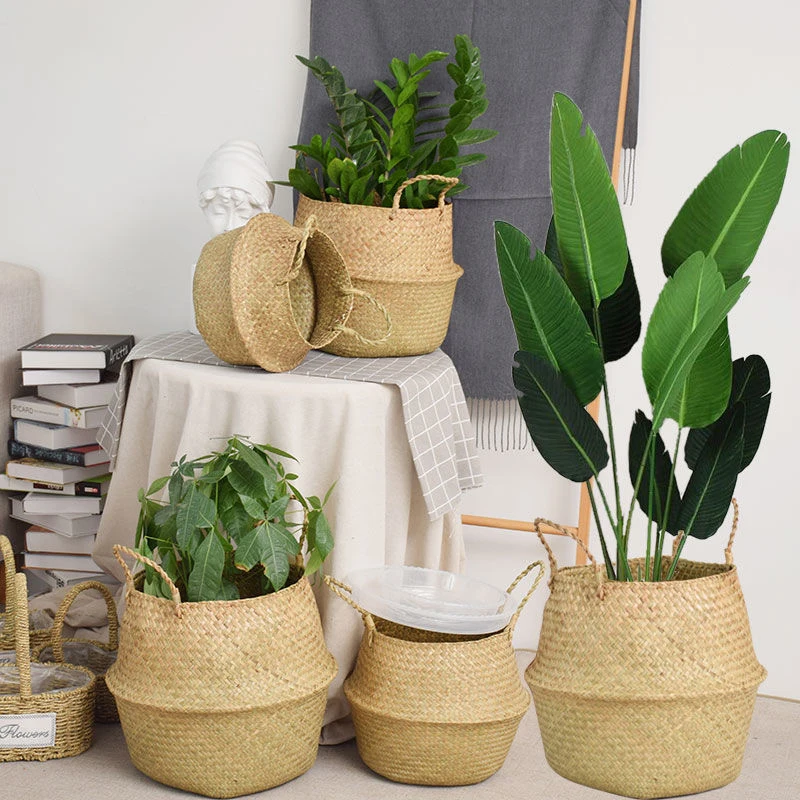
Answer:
(397, 133)
(233, 525)
(575, 307)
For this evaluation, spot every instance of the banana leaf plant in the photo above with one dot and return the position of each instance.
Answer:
(575, 307)
(396, 133)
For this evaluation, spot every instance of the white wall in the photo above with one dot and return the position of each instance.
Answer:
(109, 110)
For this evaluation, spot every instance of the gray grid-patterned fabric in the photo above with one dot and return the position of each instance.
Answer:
(435, 412)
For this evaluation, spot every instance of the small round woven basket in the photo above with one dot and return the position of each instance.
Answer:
(646, 689)
(93, 654)
(433, 708)
(62, 690)
(222, 698)
(403, 259)
(269, 292)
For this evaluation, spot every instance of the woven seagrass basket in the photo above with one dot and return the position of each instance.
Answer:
(46, 710)
(434, 708)
(222, 698)
(95, 655)
(401, 257)
(646, 689)
(40, 625)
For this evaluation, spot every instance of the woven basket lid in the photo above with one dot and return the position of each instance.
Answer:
(267, 293)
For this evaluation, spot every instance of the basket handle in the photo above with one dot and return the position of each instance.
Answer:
(58, 622)
(380, 306)
(22, 639)
(451, 182)
(677, 542)
(119, 549)
(539, 575)
(309, 228)
(342, 590)
(538, 522)
(11, 571)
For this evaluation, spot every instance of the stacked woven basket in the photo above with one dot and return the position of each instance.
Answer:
(351, 280)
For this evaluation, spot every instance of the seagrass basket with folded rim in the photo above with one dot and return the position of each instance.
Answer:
(403, 259)
(646, 689)
(40, 624)
(224, 697)
(95, 655)
(46, 710)
(434, 708)
(267, 293)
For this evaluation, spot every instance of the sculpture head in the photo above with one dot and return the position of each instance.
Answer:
(234, 185)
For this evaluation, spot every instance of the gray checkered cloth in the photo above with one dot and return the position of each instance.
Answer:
(436, 418)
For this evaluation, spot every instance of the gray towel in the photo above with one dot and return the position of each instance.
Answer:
(529, 50)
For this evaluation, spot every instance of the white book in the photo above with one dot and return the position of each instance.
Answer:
(32, 469)
(41, 410)
(54, 437)
(66, 524)
(42, 377)
(40, 540)
(38, 503)
(94, 487)
(79, 395)
(59, 578)
(65, 561)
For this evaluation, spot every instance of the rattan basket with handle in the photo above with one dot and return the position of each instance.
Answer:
(40, 624)
(93, 654)
(434, 708)
(645, 689)
(224, 697)
(401, 257)
(46, 710)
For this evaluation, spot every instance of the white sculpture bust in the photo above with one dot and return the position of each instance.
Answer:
(234, 185)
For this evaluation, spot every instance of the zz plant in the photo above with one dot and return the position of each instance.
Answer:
(575, 307)
(395, 134)
(234, 525)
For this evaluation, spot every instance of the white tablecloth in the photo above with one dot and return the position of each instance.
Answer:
(346, 431)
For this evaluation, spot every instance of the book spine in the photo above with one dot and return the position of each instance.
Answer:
(88, 488)
(59, 415)
(118, 354)
(22, 450)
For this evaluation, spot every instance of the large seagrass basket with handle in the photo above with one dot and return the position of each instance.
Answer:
(224, 697)
(434, 708)
(402, 258)
(645, 689)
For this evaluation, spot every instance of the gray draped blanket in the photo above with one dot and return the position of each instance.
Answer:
(529, 49)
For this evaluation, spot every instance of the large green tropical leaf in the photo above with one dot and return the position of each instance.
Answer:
(710, 489)
(727, 214)
(564, 432)
(205, 579)
(197, 511)
(660, 477)
(591, 236)
(751, 391)
(691, 307)
(548, 321)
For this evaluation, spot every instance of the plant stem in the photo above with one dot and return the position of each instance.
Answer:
(651, 491)
(606, 557)
(638, 482)
(623, 569)
(661, 536)
(677, 557)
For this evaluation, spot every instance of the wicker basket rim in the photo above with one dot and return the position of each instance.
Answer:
(353, 208)
(439, 280)
(587, 572)
(66, 693)
(489, 637)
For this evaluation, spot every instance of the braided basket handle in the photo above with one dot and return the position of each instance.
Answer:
(380, 306)
(451, 182)
(677, 542)
(61, 614)
(11, 571)
(22, 639)
(342, 590)
(515, 616)
(308, 230)
(537, 523)
(176, 595)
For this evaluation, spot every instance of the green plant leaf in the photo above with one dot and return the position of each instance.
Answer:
(305, 183)
(547, 319)
(591, 236)
(711, 485)
(196, 511)
(640, 431)
(473, 135)
(252, 506)
(677, 334)
(205, 578)
(157, 485)
(750, 390)
(563, 431)
(275, 556)
(277, 508)
(727, 215)
(250, 548)
(318, 534)
(620, 318)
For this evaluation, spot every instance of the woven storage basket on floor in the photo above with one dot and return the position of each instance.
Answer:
(645, 689)
(224, 697)
(401, 257)
(95, 655)
(39, 623)
(434, 708)
(269, 292)
(55, 700)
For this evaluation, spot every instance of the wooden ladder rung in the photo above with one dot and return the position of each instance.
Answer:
(512, 524)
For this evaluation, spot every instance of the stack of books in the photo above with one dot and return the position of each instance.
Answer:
(58, 475)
